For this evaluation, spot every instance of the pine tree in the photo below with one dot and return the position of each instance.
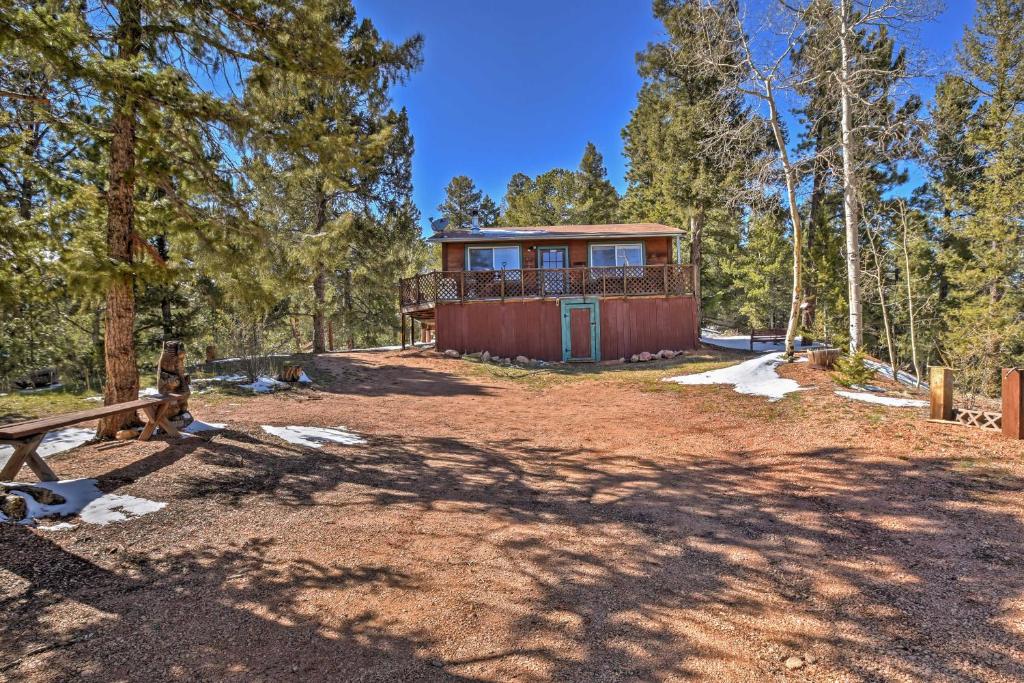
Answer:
(597, 202)
(979, 157)
(675, 175)
(141, 65)
(461, 199)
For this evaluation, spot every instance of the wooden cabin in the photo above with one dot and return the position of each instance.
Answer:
(557, 293)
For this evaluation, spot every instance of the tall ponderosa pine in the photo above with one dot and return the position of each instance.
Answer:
(461, 199)
(978, 154)
(142, 71)
(675, 174)
(326, 143)
(561, 196)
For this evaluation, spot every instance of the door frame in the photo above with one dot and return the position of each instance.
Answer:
(563, 249)
(565, 306)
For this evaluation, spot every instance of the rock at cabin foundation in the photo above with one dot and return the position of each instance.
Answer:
(452, 353)
(665, 353)
(634, 358)
(522, 360)
(14, 507)
(645, 356)
(485, 356)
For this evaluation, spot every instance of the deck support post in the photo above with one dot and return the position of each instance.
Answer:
(940, 380)
(403, 331)
(1013, 405)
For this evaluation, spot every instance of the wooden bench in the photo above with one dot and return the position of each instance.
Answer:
(26, 436)
(773, 334)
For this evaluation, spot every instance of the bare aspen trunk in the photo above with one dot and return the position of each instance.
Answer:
(119, 343)
(696, 256)
(850, 208)
(885, 310)
(794, 214)
(910, 297)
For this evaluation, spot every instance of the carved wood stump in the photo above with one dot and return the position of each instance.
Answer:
(171, 378)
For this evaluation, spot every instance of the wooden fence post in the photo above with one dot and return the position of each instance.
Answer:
(1013, 406)
(941, 381)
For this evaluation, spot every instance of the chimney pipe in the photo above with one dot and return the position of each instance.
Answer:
(476, 220)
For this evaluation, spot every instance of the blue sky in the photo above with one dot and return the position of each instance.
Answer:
(522, 86)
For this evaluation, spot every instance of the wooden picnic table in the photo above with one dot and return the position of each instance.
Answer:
(26, 436)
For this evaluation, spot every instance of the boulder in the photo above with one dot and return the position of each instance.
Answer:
(522, 360)
(14, 507)
(452, 353)
(43, 496)
(645, 356)
(634, 358)
(665, 353)
(485, 356)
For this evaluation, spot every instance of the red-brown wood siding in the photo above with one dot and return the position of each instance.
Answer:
(657, 251)
(579, 333)
(530, 328)
(634, 325)
(533, 328)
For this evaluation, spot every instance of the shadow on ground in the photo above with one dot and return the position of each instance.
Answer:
(618, 567)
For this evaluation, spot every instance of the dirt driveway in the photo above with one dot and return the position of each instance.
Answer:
(522, 528)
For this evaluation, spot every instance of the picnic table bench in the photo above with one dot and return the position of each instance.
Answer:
(773, 334)
(26, 436)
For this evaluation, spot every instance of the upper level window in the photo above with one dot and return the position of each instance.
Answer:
(610, 255)
(494, 258)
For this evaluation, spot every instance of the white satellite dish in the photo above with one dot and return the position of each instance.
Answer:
(438, 225)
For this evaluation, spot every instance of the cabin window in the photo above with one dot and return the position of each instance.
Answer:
(494, 258)
(611, 255)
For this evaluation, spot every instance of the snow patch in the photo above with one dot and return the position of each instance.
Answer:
(886, 371)
(83, 498)
(315, 437)
(200, 426)
(304, 378)
(57, 441)
(741, 342)
(36, 390)
(757, 376)
(264, 385)
(883, 400)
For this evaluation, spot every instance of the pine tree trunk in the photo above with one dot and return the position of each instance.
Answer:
(349, 310)
(320, 280)
(850, 208)
(296, 337)
(696, 258)
(122, 382)
(319, 318)
(794, 213)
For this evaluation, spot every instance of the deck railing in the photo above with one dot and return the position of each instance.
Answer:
(482, 285)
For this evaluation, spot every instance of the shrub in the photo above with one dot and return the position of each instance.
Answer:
(850, 369)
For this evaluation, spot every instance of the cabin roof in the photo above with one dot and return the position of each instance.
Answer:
(551, 232)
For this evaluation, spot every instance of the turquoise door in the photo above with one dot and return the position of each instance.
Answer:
(581, 330)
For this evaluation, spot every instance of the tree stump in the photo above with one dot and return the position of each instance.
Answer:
(290, 373)
(171, 378)
(823, 359)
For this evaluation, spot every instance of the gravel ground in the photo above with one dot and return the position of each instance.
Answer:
(490, 529)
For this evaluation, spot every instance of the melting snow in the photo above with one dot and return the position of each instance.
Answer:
(264, 385)
(756, 376)
(57, 441)
(304, 378)
(315, 437)
(883, 400)
(741, 342)
(200, 426)
(84, 499)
